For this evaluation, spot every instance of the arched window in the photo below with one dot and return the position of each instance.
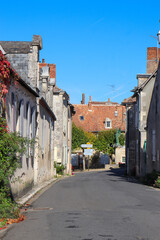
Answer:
(13, 103)
(33, 132)
(21, 117)
(33, 122)
(43, 133)
(28, 116)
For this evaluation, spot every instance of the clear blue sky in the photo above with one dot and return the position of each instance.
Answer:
(98, 46)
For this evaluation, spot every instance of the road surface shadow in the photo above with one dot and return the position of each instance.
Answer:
(120, 173)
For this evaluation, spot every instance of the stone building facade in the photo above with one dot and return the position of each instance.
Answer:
(153, 128)
(63, 127)
(21, 116)
(138, 114)
(30, 110)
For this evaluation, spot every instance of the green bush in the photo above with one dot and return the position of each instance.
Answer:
(150, 178)
(8, 208)
(12, 146)
(157, 182)
(59, 168)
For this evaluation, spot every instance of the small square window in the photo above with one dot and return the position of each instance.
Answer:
(81, 118)
(116, 113)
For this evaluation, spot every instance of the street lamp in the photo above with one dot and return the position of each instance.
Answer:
(158, 42)
(158, 34)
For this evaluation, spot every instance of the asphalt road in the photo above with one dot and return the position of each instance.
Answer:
(93, 206)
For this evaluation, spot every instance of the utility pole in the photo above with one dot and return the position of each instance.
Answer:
(84, 167)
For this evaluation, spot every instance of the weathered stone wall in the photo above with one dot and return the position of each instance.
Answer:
(26, 65)
(58, 137)
(45, 165)
(20, 64)
(153, 129)
(24, 174)
(119, 155)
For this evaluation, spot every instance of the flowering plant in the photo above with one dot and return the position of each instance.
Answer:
(7, 75)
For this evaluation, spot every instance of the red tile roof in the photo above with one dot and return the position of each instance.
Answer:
(96, 114)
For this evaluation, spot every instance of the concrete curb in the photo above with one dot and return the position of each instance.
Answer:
(33, 191)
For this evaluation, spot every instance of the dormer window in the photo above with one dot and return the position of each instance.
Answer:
(108, 123)
(81, 118)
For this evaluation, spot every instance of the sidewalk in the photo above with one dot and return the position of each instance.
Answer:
(21, 201)
(107, 167)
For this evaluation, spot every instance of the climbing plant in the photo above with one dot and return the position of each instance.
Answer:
(7, 75)
(12, 145)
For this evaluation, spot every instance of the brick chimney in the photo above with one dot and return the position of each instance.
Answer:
(83, 98)
(89, 104)
(43, 64)
(152, 59)
(52, 69)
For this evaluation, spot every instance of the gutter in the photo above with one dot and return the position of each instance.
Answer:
(43, 102)
(30, 89)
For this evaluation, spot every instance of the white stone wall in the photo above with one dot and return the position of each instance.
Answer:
(45, 164)
(25, 173)
(58, 133)
(119, 154)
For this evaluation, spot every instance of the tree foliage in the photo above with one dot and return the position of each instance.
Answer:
(106, 141)
(122, 139)
(78, 137)
(91, 137)
(12, 146)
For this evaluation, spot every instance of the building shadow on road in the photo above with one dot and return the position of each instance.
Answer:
(119, 173)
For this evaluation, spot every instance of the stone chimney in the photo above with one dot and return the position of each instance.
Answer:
(83, 98)
(153, 57)
(37, 41)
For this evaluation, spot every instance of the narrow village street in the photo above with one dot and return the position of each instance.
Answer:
(102, 205)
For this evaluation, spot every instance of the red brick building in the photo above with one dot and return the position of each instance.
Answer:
(99, 116)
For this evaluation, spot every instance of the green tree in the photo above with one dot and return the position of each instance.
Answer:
(78, 137)
(122, 139)
(106, 142)
(91, 137)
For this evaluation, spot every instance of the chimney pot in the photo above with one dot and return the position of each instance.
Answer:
(108, 99)
(89, 98)
(43, 60)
